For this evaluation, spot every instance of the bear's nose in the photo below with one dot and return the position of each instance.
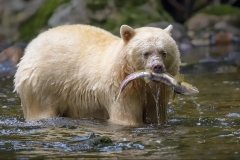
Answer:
(158, 68)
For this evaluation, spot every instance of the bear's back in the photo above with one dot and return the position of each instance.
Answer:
(69, 37)
(61, 53)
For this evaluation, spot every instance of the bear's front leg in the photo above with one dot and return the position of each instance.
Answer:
(157, 97)
(127, 111)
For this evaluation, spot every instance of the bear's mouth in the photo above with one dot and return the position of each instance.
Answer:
(162, 71)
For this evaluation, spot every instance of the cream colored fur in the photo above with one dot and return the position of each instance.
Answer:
(76, 70)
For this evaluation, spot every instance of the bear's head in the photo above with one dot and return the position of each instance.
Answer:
(151, 48)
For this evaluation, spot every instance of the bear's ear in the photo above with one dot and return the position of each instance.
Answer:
(126, 32)
(169, 29)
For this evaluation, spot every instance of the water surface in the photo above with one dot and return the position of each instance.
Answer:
(205, 126)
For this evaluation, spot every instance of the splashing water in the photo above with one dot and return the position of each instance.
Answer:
(146, 102)
(156, 98)
(199, 110)
(216, 136)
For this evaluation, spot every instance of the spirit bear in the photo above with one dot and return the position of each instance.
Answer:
(75, 71)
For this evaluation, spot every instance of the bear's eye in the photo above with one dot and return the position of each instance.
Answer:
(164, 54)
(146, 54)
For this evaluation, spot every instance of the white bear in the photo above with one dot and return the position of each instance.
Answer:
(75, 71)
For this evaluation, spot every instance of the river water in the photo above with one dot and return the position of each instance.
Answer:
(205, 126)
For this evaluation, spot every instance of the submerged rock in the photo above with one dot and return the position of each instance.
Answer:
(91, 142)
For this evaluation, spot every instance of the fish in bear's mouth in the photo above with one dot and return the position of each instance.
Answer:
(177, 83)
(158, 69)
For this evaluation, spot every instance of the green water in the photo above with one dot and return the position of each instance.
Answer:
(206, 126)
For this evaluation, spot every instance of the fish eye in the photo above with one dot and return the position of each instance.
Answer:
(146, 54)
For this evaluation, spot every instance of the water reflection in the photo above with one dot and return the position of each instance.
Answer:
(214, 59)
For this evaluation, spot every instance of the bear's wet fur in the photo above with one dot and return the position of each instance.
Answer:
(76, 70)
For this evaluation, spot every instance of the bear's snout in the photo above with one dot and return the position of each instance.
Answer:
(158, 68)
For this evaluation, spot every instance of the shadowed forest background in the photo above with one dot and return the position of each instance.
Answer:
(196, 23)
(24, 19)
